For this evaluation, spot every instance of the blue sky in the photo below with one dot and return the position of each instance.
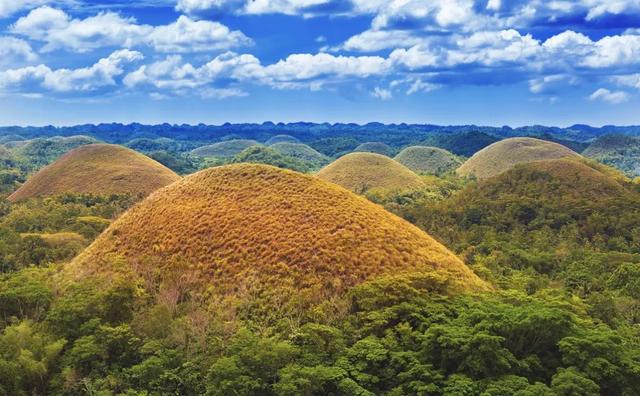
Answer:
(490, 62)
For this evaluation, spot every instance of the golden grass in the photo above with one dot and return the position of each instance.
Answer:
(505, 154)
(364, 172)
(430, 160)
(100, 169)
(230, 228)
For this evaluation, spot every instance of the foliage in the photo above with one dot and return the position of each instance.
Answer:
(375, 147)
(268, 156)
(620, 151)
(335, 146)
(224, 149)
(428, 160)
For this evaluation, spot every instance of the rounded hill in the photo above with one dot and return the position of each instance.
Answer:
(430, 160)
(375, 147)
(619, 151)
(301, 152)
(505, 154)
(281, 139)
(224, 149)
(235, 229)
(361, 172)
(100, 169)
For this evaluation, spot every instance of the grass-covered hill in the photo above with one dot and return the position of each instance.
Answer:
(505, 154)
(429, 160)
(461, 143)
(363, 172)
(375, 147)
(268, 156)
(619, 151)
(242, 231)
(99, 169)
(42, 151)
(225, 149)
(302, 152)
(281, 139)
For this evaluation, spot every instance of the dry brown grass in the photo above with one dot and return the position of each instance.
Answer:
(225, 230)
(99, 169)
(505, 154)
(367, 172)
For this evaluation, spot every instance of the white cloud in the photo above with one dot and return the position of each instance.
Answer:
(630, 80)
(381, 93)
(376, 40)
(15, 51)
(612, 97)
(289, 7)
(107, 29)
(101, 74)
(10, 7)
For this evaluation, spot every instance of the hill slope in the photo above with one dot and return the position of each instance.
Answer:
(236, 229)
(361, 172)
(620, 151)
(431, 160)
(225, 149)
(301, 152)
(461, 143)
(375, 147)
(100, 169)
(505, 154)
(281, 139)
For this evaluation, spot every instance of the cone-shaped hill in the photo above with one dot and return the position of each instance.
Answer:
(375, 147)
(100, 169)
(361, 172)
(505, 154)
(281, 139)
(225, 149)
(239, 228)
(430, 160)
(302, 152)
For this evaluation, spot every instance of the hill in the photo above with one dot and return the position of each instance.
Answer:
(375, 147)
(461, 143)
(619, 151)
(268, 156)
(361, 172)
(302, 152)
(41, 151)
(430, 160)
(224, 149)
(246, 230)
(100, 169)
(505, 154)
(281, 139)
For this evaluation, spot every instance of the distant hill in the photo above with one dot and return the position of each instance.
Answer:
(465, 144)
(268, 156)
(375, 147)
(44, 151)
(302, 152)
(225, 149)
(259, 236)
(99, 169)
(335, 146)
(281, 139)
(429, 160)
(362, 172)
(505, 154)
(619, 151)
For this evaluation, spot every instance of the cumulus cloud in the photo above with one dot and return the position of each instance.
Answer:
(289, 7)
(101, 74)
(381, 93)
(10, 7)
(612, 97)
(108, 29)
(15, 51)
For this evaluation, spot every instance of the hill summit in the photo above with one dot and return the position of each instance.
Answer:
(361, 172)
(99, 169)
(505, 154)
(233, 229)
(431, 160)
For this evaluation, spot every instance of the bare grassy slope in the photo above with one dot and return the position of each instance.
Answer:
(430, 160)
(238, 226)
(361, 172)
(375, 147)
(505, 154)
(97, 169)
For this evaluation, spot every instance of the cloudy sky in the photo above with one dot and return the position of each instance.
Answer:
(490, 62)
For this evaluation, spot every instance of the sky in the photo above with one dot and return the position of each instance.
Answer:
(449, 62)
